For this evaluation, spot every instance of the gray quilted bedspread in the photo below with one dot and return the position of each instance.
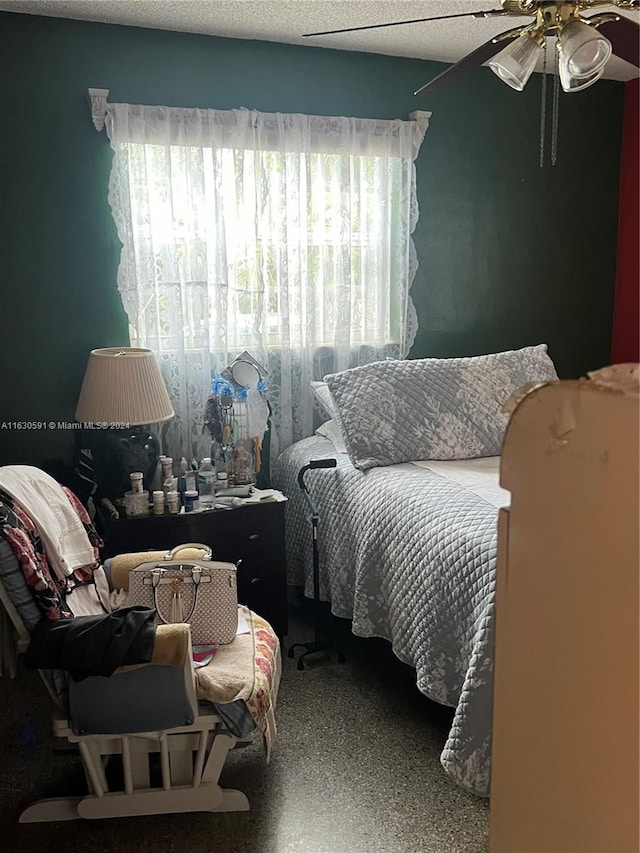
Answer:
(410, 557)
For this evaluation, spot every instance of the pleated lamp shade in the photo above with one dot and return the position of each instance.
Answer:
(123, 385)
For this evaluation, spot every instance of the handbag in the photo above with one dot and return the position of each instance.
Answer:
(201, 592)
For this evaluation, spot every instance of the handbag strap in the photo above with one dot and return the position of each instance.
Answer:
(207, 553)
(196, 577)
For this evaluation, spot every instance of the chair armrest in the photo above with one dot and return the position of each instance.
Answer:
(172, 646)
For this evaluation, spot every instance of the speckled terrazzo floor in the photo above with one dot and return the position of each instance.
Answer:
(355, 770)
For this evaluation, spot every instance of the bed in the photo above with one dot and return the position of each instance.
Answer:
(408, 548)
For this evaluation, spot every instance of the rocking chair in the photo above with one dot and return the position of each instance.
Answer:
(171, 746)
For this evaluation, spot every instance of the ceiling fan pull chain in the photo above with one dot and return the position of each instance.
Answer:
(556, 108)
(543, 103)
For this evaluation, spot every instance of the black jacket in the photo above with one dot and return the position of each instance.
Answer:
(93, 645)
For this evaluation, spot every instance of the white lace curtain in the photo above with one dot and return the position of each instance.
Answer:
(285, 235)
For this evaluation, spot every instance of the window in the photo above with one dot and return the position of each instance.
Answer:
(282, 235)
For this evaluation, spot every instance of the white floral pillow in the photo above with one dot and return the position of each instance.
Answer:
(331, 430)
(449, 408)
(323, 396)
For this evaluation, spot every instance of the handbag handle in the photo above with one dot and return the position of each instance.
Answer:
(206, 555)
(196, 576)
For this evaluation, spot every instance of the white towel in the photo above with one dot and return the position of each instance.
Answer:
(64, 538)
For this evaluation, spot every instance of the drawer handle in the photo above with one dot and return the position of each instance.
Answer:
(254, 536)
(255, 581)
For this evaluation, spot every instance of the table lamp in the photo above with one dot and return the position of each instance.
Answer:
(122, 393)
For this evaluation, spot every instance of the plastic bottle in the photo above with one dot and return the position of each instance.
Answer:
(206, 478)
(222, 481)
(173, 503)
(191, 481)
(158, 503)
(156, 483)
(136, 481)
(191, 501)
(167, 467)
(243, 463)
(217, 457)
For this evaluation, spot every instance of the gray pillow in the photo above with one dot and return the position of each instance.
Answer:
(431, 408)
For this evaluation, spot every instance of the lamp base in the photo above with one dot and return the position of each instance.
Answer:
(119, 452)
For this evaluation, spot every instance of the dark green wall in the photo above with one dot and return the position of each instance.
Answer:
(509, 255)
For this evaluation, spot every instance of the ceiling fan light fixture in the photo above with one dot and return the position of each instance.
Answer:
(570, 83)
(584, 50)
(514, 65)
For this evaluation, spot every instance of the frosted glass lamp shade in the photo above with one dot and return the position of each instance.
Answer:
(123, 386)
(583, 49)
(514, 65)
(570, 83)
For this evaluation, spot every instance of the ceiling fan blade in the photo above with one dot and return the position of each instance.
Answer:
(489, 13)
(470, 61)
(624, 36)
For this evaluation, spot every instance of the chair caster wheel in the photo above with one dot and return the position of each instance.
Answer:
(291, 653)
(341, 658)
(300, 664)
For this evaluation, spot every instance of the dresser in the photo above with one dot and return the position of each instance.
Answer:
(250, 536)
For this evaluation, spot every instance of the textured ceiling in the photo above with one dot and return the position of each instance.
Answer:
(286, 21)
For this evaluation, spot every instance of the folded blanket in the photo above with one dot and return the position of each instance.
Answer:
(63, 535)
(119, 567)
(82, 593)
(249, 668)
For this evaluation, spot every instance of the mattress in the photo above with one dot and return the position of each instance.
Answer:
(408, 553)
(479, 476)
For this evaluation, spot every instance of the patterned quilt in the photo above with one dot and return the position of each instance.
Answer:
(408, 556)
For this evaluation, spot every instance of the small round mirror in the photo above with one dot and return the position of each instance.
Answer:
(245, 374)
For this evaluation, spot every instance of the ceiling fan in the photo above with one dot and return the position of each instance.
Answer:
(584, 44)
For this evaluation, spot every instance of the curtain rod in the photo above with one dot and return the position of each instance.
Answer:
(98, 101)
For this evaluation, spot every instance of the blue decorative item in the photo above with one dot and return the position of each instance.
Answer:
(236, 415)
